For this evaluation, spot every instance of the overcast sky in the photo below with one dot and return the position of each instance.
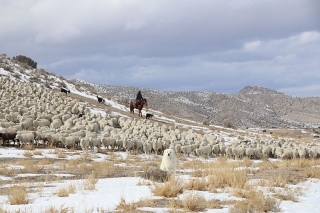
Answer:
(173, 45)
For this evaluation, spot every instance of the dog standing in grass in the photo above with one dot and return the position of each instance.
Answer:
(169, 161)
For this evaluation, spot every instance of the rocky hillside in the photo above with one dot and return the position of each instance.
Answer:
(250, 107)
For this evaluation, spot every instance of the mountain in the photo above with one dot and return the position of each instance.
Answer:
(251, 107)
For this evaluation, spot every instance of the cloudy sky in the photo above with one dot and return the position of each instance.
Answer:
(173, 45)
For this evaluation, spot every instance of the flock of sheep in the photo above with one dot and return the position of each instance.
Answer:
(37, 115)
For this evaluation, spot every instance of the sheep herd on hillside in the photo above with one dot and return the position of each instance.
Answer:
(31, 114)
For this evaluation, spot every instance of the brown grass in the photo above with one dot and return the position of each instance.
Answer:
(90, 182)
(7, 171)
(124, 206)
(61, 154)
(37, 152)
(62, 192)
(61, 209)
(194, 202)
(255, 201)
(222, 178)
(146, 202)
(289, 194)
(169, 189)
(17, 195)
(198, 184)
(28, 154)
(28, 147)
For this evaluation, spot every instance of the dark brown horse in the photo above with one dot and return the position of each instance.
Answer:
(139, 106)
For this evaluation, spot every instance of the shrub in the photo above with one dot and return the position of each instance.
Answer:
(26, 60)
(168, 189)
(17, 195)
(194, 202)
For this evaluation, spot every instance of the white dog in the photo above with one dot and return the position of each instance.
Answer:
(169, 161)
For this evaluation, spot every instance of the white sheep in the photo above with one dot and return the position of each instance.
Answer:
(128, 145)
(216, 149)
(302, 153)
(157, 146)
(250, 153)
(94, 142)
(56, 124)
(186, 149)
(25, 137)
(41, 123)
(68, 141)
(287, 154)
(84, 143)
(147, 148)
(108, 142)
(204, 150)
(238, 152)
(313, 153)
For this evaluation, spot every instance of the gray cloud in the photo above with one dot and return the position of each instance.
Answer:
(171, 45)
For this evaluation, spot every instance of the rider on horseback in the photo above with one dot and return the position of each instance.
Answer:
(139, 98)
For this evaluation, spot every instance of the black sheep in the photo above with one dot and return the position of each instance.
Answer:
(149, 115)
(64, 90)
(7, 136)
(100, 99)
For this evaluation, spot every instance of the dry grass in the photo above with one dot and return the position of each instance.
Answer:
(289, 194)
(90, 182)
(146, 202)
(124, 206)
(169, 189)
(214, 204)
(255, 201)
(61, 154)
(194, 202)
(17, 195)
(28, 154)
(198, 184)
(62, 192)
(222, 178)
(7, 171)
(28, 147)
(37, 152)
(61, 209)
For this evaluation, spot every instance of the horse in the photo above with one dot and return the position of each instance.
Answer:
(139, 106)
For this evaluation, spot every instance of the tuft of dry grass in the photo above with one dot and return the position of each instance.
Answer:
(90, 182)
(17, 195)
(222, 178)
(279, 181)
(214, 204)
(28, 154)
(145, 202)
(62, 192)
(7, 171)
(37, 152)
(124, 206)
(28, 147)
(169, 189)
(289, 194)
(196, 184)
(61, 209)
(61, 154)
(255, 201)
(194, 202)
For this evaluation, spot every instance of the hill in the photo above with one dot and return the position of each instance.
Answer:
(251, 107)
